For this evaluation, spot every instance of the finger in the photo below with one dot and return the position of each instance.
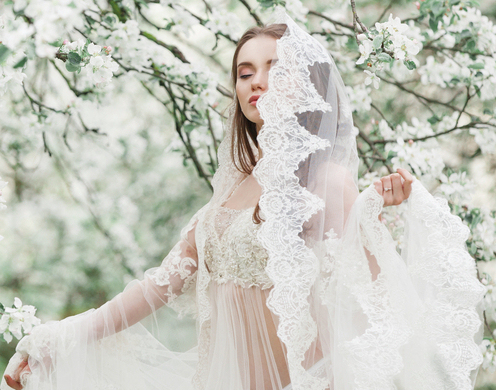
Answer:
(387, 194)
(407, 185)
(12, 383)
(398, 195)
(19, 369)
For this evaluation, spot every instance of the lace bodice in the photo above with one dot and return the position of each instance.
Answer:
(232, 250)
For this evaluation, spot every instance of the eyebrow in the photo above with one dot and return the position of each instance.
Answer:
(250, 64)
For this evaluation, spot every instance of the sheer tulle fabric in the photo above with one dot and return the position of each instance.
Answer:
(314, 298)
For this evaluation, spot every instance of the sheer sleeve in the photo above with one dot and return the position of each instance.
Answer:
(108, 348)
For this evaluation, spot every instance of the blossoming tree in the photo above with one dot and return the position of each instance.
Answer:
(104, 101)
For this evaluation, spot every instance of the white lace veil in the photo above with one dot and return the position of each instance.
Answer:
(341, 291)
(308, 175)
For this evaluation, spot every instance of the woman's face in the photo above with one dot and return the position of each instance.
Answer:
(253, 63)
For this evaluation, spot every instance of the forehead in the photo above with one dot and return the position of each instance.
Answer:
(258, 50)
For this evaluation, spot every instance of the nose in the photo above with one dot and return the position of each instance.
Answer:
(259, 80)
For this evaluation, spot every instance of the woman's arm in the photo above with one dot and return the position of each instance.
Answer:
(160, 286)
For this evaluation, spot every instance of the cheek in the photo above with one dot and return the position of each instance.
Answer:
(239, 92)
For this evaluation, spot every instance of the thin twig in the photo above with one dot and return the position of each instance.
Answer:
(356, 20)
(384, 12)
(335, 22)
(252, 13)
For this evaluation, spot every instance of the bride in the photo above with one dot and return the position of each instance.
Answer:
(293, 279)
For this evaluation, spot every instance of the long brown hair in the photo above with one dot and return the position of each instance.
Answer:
(245, 131)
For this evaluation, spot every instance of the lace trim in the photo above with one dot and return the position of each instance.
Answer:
(292, 266)
(374, 356)
(451, 319)
(446, 322)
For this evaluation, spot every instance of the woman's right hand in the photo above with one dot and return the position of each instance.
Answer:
(15, 380)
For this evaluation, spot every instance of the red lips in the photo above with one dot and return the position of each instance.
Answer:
(253, 98)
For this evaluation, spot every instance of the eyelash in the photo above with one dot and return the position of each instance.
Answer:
(245, 76)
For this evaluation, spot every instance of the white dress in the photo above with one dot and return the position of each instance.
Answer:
(245, 351)
(223, 278)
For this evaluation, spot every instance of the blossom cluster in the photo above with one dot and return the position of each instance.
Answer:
(17, 320)
(99, 65)
(420, 156)
(360, 99)
(385, 43)
(488, 349)
(48, 18)
(224, 22)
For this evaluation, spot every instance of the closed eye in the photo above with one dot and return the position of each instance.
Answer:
(245, 76)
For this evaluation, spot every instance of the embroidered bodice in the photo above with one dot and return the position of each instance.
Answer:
(232, 250)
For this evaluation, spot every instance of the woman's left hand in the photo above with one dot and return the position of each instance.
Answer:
(395, 188)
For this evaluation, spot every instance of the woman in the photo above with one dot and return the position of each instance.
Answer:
(294, 281)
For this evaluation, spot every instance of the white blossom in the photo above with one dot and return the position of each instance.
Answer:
(365, 49)
(386, 131)
(360, 98)
(418, 156)
(485, 138)
(18, 320)
(372, 78)
(94, 49)
(184, 21)
(456, 187)
(224, 22)
(297, 10)
(487, 348)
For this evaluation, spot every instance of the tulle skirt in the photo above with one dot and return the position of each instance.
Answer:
(244, 352)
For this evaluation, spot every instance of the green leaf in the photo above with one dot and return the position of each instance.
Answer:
(2, 307)
(433, 120)
(74, 58)
(56, 43)
(477, 91)
(465, 34)
(189, 127)
(436, 7)
(478, 65)
(21, 63)
(384, 57)
(487, 111)
(377, 42)
(351, 44)
(72, 68)
(410, 65)
(4, 52)
(111, 19)
(433, 24)
(470, 44)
